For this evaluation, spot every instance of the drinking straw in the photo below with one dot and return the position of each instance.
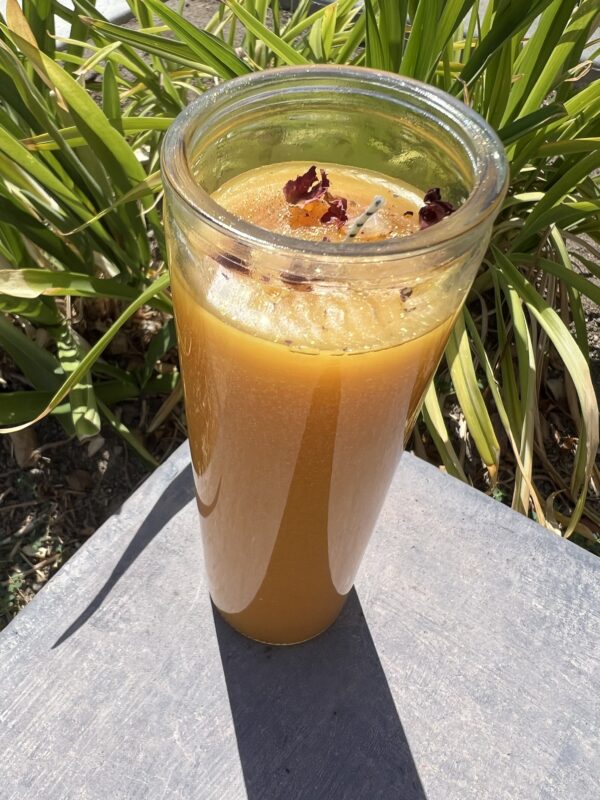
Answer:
(359, 222)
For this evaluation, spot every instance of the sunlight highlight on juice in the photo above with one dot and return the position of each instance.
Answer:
(298, 400)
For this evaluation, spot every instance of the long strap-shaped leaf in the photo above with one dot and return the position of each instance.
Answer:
(70, 348)
(19, 407)
(434, 420)
(569, 276)
(527, 391)
(511, 16)
(39, 366)
(91, 121)
(94, 353)
(148, 186)
(281, 48)
(129, 437)
(533, 58)
(376, 53)
(464, 379)
(170, 49)
(566, 184)
(26, 161)
(31, 283)
(503, 414)
(572, 41)
(208, 48)
(128, 124)
(574, 361)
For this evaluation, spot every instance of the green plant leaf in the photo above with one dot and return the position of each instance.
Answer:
(376, 53)
(434, 420)
(564, 147)
(29, 283)
(132, 440)
(39, 366)
(18, 407)
(42, 312)
(464, 379)
(575, 363)
(571, 42)
(96, 58)
(528, 400)
(207, 48)
(525, 125)
(27, 162)
(567, 182)
(569, 276)
(353, 41)
(71, 134)
(507, 424)
(29, 227)
(280, 47)
(149, 185)
(82, 400)
(170, 49)
(533, 58)
(111, 102)
(508, 19)
(94, 352)
(95, 128)
(160, 344)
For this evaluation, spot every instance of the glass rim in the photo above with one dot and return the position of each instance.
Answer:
(490, 168)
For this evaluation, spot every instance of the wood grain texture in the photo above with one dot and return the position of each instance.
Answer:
(462, 668)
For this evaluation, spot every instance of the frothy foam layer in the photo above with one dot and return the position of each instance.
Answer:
(315, 316)
(257, 197)
(352, 320)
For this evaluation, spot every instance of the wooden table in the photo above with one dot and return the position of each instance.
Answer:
(465, 666)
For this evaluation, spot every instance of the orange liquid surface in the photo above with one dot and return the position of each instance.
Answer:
(298, 405)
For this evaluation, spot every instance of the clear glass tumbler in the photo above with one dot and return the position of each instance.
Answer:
(305, 363)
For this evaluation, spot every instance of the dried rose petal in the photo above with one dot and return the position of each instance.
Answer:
(435, 209)
(307, 186)
(337, 209)
(431, 214)
(312, 203)
(433, 196)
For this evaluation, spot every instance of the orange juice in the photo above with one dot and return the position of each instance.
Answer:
(297, 400)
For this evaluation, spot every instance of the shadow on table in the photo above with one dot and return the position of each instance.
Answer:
(317, 721)
(175, 497)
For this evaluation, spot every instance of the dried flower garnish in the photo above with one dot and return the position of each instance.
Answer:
(435, 209)
(337, 210)
(306, 187)
(311, 201)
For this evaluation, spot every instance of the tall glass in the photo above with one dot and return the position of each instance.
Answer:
(305, 363)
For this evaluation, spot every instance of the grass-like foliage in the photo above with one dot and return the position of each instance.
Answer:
(512, 408)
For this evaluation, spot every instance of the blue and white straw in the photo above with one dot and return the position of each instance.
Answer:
(359, 222)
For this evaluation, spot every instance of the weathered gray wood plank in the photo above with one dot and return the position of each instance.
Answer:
(470, 675)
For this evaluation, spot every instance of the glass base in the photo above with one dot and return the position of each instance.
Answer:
(267, 634)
